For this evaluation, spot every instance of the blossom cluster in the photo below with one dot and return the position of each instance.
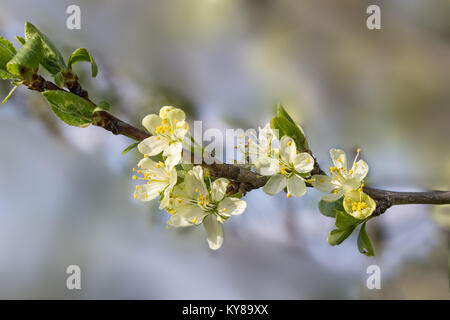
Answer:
(192, 197)
(186, 192)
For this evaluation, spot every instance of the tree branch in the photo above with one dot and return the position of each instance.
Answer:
(243, 180)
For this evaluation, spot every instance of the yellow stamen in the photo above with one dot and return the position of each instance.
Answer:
(134, 177)
(288, 195)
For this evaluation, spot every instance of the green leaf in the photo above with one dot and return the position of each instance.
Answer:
(130, 147)
(6, 75)
(52, 60)
(287, 128)
(8, 45)
(29, 56)
(329, 209)
(20, 40)
(7, 52)
(104, 105)
(80, 55)
(69, 107)
(337, 236)
(59, 79)
(364, 243)
(344, 220)
(281, 112)
(9, 94)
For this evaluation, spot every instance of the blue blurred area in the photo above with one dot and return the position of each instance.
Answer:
(66, 193)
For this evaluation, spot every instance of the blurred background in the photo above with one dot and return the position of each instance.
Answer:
(66, 193)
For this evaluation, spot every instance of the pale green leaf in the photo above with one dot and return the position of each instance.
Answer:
(281, 112)
(52, 60)
(8, 45)
(287, 128)
(80, 55)
(6, 75)
(129, 148)
(29, 57)
(364, 243)
(344, 220)
(329, 209)
(9, 94)
(69, 107)
(337, 236)
(20, 40)
(59, 79)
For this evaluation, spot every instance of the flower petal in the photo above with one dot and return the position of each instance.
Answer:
(333, 196)
(195, 183)
(322, 183)
(173, 148)
(154, 169)
(173, 159)
(164, 203)
(153, 145)
(351, 184)
(288, 150)
(218, 189)
(303, 162)
(147, 192)
(176, 115)
(339, 158)
(151, 121)
(358, 197)
(164, 111)
(214, 232)
(360, 170)
(232, 206)
(275, 184)
(296, 186)
(267, 166)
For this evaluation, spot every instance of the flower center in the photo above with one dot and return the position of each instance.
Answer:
(359, 206)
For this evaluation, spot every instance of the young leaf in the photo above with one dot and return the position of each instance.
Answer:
(287, 128)
(29, 56)
(52, 58)
(80, 55)
(364, 243)
(20, 40)
(337, 236)
(9, 94)
(329, 209)
(104, 105)
(69, 107)
(6, 54)
(281, 112)
(130, 147)
(59, 79)
(6, 75)
(8, 45)
(344, 220)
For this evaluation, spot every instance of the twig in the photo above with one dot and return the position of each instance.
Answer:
(243, 179)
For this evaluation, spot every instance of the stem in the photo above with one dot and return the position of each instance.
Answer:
(396, 198)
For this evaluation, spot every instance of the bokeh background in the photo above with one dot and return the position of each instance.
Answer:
(66, 193)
